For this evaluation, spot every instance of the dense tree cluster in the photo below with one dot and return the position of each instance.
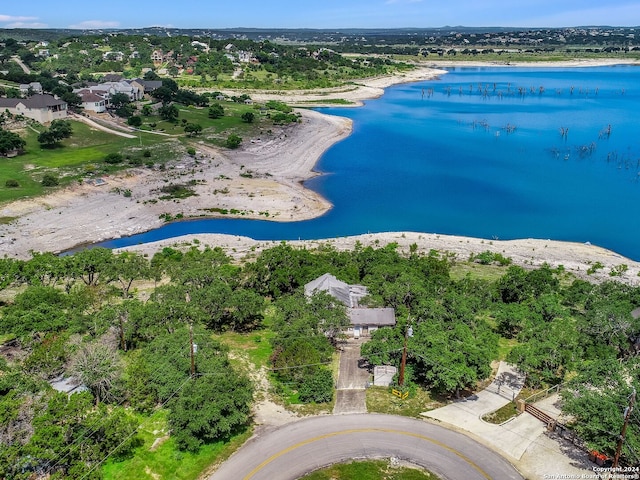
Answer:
(79, 315)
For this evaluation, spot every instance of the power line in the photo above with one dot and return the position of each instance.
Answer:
(102, 421)
(128, 437)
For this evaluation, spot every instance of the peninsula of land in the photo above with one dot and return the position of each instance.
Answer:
(261, 180)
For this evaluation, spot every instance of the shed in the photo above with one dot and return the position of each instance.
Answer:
(383, 375)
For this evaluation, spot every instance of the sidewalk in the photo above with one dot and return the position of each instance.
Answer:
(521, 439)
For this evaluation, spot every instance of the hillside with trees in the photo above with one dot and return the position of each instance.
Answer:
(148, 337)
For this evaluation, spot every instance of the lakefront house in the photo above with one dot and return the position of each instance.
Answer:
(363, 320)
(41, 108)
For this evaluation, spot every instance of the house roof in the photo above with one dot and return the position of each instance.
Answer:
(349, 295)
(113, 77)
(330, 284)
(90, 97)
(148, 85)
(380, 317)
(10, 102)
(32, 85)
(35, 101)
(42, 101)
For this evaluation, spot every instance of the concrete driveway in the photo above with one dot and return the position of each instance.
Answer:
(352, 380)
(521, 439)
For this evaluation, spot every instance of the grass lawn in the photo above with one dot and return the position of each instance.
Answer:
(509, 410)
(331, 101)
(502, 414)
(477, 271)
(369, 470)
(505, 345)
(255, 345)
(84, 151)
(6, 337)
(165, 461)
(230, 122)
(381, 400)
(84, 146)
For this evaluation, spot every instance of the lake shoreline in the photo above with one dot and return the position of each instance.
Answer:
(273, 190)
(583, 260)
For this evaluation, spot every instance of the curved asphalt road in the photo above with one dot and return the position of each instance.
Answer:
(300, 447)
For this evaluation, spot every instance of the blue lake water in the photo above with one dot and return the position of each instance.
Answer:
(479, 152)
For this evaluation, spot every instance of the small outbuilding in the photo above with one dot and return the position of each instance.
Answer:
(383, 375)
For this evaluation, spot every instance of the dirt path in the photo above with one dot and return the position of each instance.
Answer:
(96, 125)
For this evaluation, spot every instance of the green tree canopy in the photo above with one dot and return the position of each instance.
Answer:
(168, 112)
(10, 141)
(216, 111)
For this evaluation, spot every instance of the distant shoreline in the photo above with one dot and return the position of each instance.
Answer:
(280, 164)
(575, 258)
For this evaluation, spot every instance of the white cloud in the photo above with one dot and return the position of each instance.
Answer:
(14, 18)
(26, 25)
(94, 24)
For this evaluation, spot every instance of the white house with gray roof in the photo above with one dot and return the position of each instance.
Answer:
(363, 320)
(41, 108)
(33, 88)
(107, 89)
(92, 101)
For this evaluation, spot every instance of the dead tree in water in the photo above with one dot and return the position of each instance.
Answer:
(605, 132)
(564, 132)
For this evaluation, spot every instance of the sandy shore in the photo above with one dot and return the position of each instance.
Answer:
(583, 62)
(263, 179)
(355, 92)
(576, 258)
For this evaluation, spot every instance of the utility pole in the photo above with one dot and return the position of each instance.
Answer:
(193, 358)
(191, 349)
(408, 333)
(623, 432)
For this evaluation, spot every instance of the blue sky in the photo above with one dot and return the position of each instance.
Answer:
(316, 13)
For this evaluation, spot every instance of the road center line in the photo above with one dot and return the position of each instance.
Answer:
(365, 430)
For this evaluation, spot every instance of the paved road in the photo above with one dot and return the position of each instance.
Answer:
(352, 380)
(300, 447)
(21, 64)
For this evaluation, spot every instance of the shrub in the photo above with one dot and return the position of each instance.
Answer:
(216, 111)
(191, 151)
(146, 153)
(50, 180)
(11, 183)
(280, 106)
(113, 158)
(248, 117)
(233, 141)
(318, 388)
(135, 121)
